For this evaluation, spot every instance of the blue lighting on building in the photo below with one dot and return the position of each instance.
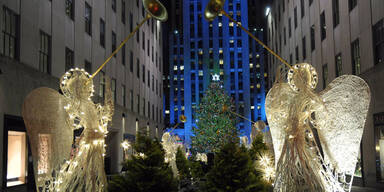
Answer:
(202, 49)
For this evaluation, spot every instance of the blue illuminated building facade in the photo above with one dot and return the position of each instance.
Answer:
(258, 77)
(199, 49)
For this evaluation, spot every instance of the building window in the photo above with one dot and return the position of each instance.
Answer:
(114, 5)
(17, 158)
(45, 53)
(352, 4)
(122, 11)
(149, 109)
(378, 121)
(123, 96)
(102, 84)
(148, 48)
(310, 2)
(113, 42)
(289, 28)
(302, 8)
(143, 73)
(143, 44)
(325, 75)
(138, 104)
(313, 41)
(130, 22)
(355, 57)
(137, 36)
(138, 68)
(335, 12)
(131, 98)
(378, 39)
(88, 19)
(102, 33)
(131, 61)
(323, 26)
(295, 17)
(113, 89)
(69, 59)
(153, 83)
(304, 48)
(88, 66)
(285, 36)
(10, 34)
(339, 65)
(70, 8)
(123, 55)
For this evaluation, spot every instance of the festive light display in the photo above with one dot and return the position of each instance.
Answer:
(47, 112)
(170, 147)
(202, 157)
(215, 127)
(297, 116)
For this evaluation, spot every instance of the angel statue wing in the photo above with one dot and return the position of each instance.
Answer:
(49, 133)
(341, 124)
(277, 109)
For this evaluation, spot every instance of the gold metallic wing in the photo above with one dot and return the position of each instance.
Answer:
(341, 123)
(49, 134)
(277, 105)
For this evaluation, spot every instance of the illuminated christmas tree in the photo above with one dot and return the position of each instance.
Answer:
(215, 124)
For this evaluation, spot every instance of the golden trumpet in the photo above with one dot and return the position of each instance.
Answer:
(216, 7)
(155, 10)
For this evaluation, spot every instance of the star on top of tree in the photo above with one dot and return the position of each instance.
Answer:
(215, 77)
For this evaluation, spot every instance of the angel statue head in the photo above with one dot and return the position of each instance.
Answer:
(302, 76)
(76, 84)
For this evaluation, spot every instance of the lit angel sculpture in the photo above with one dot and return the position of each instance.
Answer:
(51, 118)
(316, 136)
(170, 147)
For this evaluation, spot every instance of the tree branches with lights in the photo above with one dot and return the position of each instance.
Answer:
(216, 125)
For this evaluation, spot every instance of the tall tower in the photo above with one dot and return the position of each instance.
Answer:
(201, 49)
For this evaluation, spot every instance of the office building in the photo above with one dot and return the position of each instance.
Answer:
(338, 37)
(199, 49)
(41, 40)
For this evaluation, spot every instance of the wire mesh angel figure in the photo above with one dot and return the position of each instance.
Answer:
(316, 136)
(48, 113)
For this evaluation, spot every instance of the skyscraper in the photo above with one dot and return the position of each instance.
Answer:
(199, 49)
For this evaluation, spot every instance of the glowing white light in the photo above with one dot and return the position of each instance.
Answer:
(267, 11)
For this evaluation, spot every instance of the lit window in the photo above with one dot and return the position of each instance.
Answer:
(258, 86)
(221, 62)
(252, 107)
(257, 65)
(220, 24)
(175, 68)
(201, 73)
(251, 65)
(17, 158)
